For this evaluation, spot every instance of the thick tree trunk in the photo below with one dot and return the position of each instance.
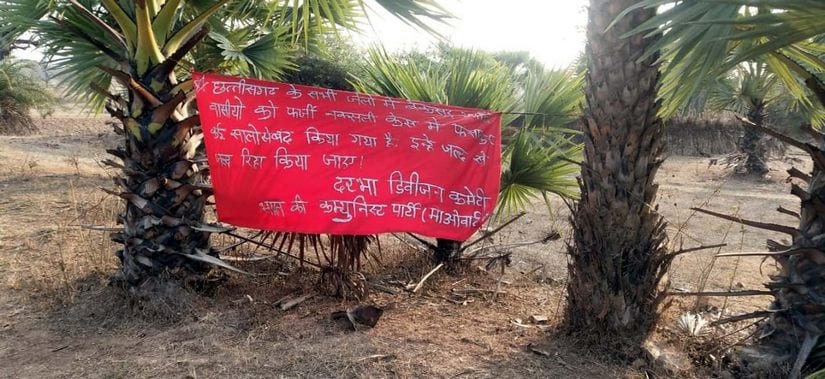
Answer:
(798, 289)
(618, 260)
(155, 236)
(753, 145)
(163, 187)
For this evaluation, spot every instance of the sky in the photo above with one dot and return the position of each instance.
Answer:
(551, 30)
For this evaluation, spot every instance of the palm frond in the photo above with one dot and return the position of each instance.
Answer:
(703, 39)
(552, 99)
(20, 16)
(389, 77)
(243, 52)
(539, 158)
(531, 169)
(462, 77)
(473, 80)
(76, 64)
(417, 12)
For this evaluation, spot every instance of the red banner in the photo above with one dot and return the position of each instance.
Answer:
(304, 159)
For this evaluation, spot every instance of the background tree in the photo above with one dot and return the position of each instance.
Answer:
(787, 35)
(335, 63)
(618, 259)
(135, 56)
(750, 90)
(22, 91)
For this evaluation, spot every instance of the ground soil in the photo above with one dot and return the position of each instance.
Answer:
(59, 318)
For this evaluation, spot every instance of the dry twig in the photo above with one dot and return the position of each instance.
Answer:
(287, 305)
(424, 279)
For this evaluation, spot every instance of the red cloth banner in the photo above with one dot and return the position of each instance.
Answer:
(294, 158)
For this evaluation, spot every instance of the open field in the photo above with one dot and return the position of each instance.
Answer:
(58, 317)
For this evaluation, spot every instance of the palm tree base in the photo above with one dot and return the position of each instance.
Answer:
(447, 251)
(169, 281)
(195, 276)
(615, 310)
(16, 124)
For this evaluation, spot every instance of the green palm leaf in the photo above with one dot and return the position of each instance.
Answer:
(704, 39)
(417, 12)
(389, 77)
(245, 53)
(552, 101)
(532, 170)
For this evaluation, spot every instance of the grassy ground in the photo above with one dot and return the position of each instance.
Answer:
(58, 317)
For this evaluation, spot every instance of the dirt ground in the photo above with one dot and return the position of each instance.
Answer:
(58, 317)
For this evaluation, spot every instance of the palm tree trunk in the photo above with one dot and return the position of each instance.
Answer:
(798, 289)
(446, 251)
(799, 286)
(162, 184)
(753, 144)
(618, 260)
(156, 236)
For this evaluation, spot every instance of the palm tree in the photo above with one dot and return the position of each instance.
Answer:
(537, 161)
(618, 259)
(21, 91)
(753, 91)
(787, 35)
(134, 56)
(21, 87)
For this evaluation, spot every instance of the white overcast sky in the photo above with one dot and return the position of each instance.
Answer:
(551, 30)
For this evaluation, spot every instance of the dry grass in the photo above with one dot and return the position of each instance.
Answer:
(49, 253)
(59, 318)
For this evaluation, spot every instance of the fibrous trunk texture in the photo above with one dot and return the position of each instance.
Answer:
(787, 342)
(753, 145)
(618, 259)
(163, 223)
(155, 237)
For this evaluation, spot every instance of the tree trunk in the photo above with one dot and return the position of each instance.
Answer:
(798, 289)
(162, 184)
(753, 145)
(446, 250)
(618, 260)
(157, 234)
